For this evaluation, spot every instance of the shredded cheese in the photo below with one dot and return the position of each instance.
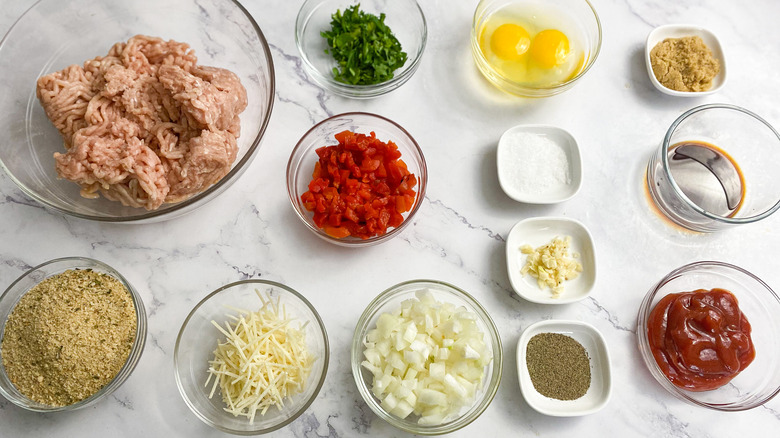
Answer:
(551, 264)
(263, 361)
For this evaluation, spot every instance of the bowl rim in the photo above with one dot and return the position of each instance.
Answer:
(555, 326)
(522, 90)
(665, 166)
(236, 169)
(320, 380)
(648, 358)
(133, 357)
(571, 149)
(326, 82)
(356, 356)
(694, 30)
(349, 241)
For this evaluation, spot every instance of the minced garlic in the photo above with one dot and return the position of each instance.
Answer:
(551, 264)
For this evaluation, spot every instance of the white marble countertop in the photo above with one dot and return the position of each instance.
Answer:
(458, 235)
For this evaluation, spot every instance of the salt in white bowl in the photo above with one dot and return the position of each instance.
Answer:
(516, 185)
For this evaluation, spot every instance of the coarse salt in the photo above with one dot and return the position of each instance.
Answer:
(534, 163)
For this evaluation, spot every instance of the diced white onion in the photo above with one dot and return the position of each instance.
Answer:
(428, 358)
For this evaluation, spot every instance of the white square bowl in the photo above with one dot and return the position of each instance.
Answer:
(661, 33)
(556, 194)
(540, 231)
(600, 389)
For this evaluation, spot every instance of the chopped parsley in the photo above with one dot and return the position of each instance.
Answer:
(364, 47)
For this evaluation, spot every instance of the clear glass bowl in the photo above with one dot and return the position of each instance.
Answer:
(694, 197)
(585, 23)
(304, 157)
(405, 19)
(390, 300)
(757, 383)
(18, 288)
(221, 32)
(198, 339)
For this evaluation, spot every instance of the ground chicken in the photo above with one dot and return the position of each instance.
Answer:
(144, 125)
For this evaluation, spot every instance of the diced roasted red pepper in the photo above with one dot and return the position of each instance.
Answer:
(359, 187)
(337, 232)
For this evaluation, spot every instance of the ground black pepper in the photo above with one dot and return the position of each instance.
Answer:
(558, 365)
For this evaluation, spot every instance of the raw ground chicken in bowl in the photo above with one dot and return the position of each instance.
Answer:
(145, 124)
(220, 32)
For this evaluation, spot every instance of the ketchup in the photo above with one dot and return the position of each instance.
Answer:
(700, 339)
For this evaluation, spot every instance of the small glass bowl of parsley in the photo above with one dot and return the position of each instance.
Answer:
(360, 49)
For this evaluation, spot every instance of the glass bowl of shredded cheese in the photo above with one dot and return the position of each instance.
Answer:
(251, 357)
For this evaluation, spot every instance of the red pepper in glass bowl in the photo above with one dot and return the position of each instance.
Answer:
(364, 189)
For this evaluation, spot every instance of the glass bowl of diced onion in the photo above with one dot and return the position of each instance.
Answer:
(426, 357)
(259, 322)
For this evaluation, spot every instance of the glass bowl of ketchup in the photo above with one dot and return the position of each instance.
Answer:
(708, 334)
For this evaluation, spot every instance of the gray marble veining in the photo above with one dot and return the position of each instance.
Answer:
(458, 236)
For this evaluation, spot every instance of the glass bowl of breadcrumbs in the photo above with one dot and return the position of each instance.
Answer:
(72, 332)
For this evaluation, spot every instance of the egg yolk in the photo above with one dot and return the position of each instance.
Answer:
(510, 42)
(550, 48)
